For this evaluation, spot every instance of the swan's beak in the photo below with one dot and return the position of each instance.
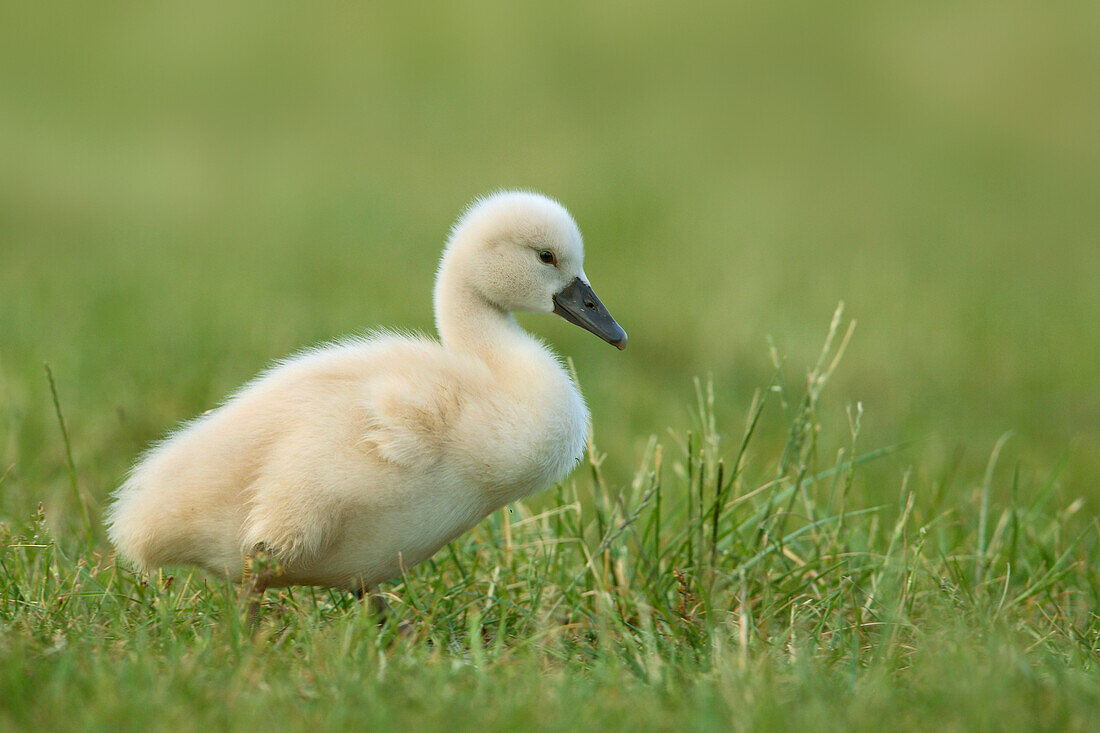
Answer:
(580, 306)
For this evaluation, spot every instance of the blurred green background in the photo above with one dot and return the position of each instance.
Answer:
(189, 191)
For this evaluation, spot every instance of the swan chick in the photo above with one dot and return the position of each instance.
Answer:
(352, 462)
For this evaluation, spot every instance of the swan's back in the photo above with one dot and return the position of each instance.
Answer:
(323, 420)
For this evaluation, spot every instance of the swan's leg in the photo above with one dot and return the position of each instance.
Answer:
(381, 610)
(260, 568)
(376, 601)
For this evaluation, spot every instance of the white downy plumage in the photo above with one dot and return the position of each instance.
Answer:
(352, 461)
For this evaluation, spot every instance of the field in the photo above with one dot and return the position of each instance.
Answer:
(880, 515)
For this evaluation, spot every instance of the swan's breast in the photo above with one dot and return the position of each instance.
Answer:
(529, 435)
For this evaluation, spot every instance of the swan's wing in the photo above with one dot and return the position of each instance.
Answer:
(411, 417)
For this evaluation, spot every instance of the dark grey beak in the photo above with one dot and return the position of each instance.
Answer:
(580, 306)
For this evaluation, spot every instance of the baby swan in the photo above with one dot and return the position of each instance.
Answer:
(351, 462)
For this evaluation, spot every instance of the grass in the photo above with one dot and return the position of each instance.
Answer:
(907, 540)
(714, 590)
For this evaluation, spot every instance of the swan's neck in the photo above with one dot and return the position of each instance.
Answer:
(468, 322)
(534, 398)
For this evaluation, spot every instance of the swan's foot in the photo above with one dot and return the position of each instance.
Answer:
(382, 611)
(260, 568)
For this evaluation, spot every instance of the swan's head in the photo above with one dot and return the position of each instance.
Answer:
(523, 252)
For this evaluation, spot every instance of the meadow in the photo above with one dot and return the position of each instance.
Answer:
(792, 514)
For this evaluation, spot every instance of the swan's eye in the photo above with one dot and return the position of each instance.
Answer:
(548, 257)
